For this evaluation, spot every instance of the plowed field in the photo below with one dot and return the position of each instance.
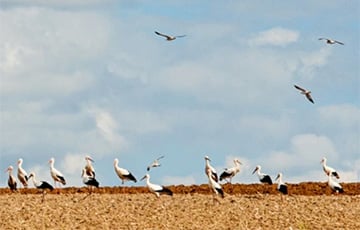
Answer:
(255, 206)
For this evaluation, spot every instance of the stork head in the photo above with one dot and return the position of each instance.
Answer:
(88, 158)
(207, 158)
(323, 160)
(52, 160)
(9, 169)
(278, 176)
(146, 176)
(116, 161)
(32, 174)
(258, 167)
(20, 161)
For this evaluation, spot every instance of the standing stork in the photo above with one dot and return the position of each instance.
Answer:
(281, 187)
(89, 181)
(335, 186)
(11, 180)
(231, 172)
(56, 174)
(155, 163)
(208, 168)
(89, 169)
(155, 188)
(215, 186)
(264, 178)
(21, 173)
(328, 170)
(122, 173)
(42, 185)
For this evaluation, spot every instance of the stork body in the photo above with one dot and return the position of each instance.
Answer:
(155, 163)
(89, 169)
(11, 181)
(208, 168)
(22, 175)
(331, 41)
(231, 172)
(329, 170)
(56, 174)
(155, 188)
(88, 180)
(264, 178)
(41, 185)
(281, 187)
(335, 186)
(122, 173)
(214, 186)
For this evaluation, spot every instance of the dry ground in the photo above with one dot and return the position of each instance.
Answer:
(191, 207)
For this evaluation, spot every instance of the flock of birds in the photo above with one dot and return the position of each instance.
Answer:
(89, 179)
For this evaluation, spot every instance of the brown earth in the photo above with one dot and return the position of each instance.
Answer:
(255, 206)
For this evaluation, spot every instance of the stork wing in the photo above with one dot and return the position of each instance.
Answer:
(160, 157)
(323, 39)
(180, 36)
(308, 96)
(299, 88)
(160, 34)
(339, 43)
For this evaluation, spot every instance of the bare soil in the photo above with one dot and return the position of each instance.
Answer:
(309, 206)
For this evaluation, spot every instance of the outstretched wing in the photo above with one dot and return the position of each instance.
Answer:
(163, 35)
(339, 42)
(180, 36)
(299, 88)
(308, 96)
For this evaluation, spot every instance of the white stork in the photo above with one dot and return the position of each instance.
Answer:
(281, 187)
(155, 163)
(264, 178)
(42, 185)
(122, 173)
(56, 174)
(306, 92)
(231, 172)
(89, 169)
(21, 173)
(328, 170)
(88, 180)
(215, 186)
(331, 41)
(212, 170)
(169, 37)
(156, 189)
(11, 181)
(335, 186)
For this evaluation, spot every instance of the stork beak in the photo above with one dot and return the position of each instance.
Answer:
(255, 170)
(277, 177)
(90, 159)
(143, 178)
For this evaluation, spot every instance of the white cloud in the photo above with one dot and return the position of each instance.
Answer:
(345, 115)
(311, 61)
(275, 36)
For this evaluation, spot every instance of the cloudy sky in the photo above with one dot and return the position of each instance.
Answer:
(91, 78)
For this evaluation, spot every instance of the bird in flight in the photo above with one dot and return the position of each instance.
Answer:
(155, 163)
(169, 37)
(331, 41)
(305, 92)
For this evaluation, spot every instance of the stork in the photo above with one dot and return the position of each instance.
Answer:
(329, 170)
(331, 41)
(281, 187)
(21, 173)
(215, 186)
(169, 37)
(306, 92)
(212, 170)
(156, 189)
(11, 180)
(56, 174)
(155, 163)
(42, 185)
(231, 172)
(122, 173)
(89, 169)
(264, 178)
(335, 186)
(89, 181)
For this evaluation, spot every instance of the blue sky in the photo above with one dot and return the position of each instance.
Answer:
(91, 78)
